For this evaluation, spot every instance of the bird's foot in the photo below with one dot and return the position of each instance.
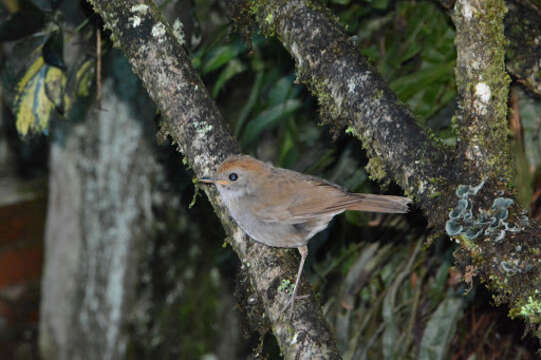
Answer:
(291, 304)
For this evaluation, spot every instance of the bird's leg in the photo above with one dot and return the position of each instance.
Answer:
(303, 250)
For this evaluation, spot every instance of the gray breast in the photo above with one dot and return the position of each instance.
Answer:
(277, 234)
(281, 234)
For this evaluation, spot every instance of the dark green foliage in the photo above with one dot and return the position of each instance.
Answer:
(53, 50)
(384, 295)
(412, 46)
(400, 290)
(39, 83)
(24, 22)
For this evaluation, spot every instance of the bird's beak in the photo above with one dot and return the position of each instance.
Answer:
(207, 180)
(213, 181)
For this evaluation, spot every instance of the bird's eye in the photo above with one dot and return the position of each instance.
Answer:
(233, 177)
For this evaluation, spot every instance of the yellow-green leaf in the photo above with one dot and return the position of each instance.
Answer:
(39, 93)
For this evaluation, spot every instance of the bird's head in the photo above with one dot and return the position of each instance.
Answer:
(238, 175)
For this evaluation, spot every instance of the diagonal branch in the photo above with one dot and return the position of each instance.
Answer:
(495, 236)
(194, 123)
(352, 94)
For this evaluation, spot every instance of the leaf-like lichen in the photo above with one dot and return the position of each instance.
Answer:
(489, 222)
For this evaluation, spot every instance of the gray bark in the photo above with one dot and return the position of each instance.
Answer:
(197, 128)
(483, 87)
(351, 93)
(98, 212)
(523, 49)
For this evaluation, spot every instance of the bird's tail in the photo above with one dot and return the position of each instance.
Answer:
(380, 203)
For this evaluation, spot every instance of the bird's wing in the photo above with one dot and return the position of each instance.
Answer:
(301, 198)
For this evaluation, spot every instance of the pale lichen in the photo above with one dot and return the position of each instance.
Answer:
(203, 128)
(178, 31)
(351, 86)
(135, 21)
(467, 10)
(158, 32)
(532, 308)
(269, 18)
(482, 91)
(140, 9)
(490, 223)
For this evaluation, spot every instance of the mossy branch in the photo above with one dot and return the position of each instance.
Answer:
(192, 120)
(522, 26)
(483, 87)
(351, 94)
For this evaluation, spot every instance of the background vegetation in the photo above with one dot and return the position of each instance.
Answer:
(386, 283)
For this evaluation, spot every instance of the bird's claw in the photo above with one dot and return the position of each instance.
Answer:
(291, 304)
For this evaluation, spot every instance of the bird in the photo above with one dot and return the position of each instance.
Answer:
(283, 208)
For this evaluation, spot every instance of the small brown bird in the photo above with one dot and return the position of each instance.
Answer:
(284, 208)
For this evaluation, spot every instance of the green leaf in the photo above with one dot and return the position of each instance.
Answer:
(197, 60)
(391, 332)
(268, 119)
(280, 91)
(39, 92)
(53, 50)
(407, 86)
(47, 5)
(356, 180)
(357, 218)
(380, 4)
(249, 105)
(233, 68)
(22, 23)
(288, 148)
(437, 288)
(440, 329)
(220, 55)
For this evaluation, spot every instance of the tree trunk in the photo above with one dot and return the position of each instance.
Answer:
(98, 212)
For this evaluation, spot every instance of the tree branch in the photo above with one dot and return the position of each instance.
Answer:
(522, 26)
(194, 123)
(511, 267)
(351, 93)
(483, 87)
